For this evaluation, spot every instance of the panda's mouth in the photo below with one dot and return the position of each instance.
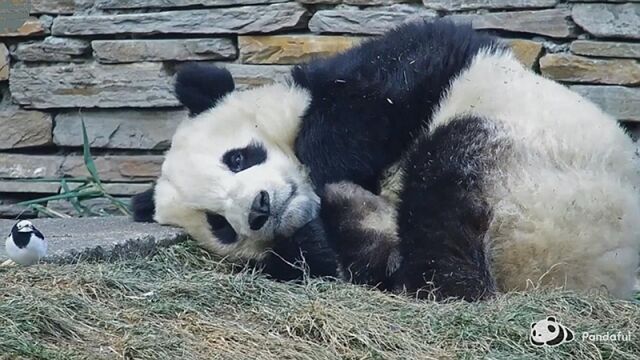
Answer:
(287, 201)
(294, 212)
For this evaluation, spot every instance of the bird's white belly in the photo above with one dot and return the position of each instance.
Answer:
(30, 254)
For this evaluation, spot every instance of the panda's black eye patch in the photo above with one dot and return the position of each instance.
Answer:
(221, 228)
(241, 159)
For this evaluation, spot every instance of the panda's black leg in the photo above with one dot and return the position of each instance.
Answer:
(361, 228)
(442, 218)
(307, 250)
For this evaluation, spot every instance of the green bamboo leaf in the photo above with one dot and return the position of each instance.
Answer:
(73, 200)
(48, 211)
(122, 207)
(58, 197)
(86, 153)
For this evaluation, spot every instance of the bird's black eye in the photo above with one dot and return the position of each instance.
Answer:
(241, 159)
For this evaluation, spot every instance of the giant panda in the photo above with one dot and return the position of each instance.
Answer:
(427, 161)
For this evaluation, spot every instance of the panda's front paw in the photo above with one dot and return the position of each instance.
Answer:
(349, 207)
(306, 250)
(361, 227)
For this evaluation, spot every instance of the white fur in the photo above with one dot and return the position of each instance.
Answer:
(194, 178)
(564, 196)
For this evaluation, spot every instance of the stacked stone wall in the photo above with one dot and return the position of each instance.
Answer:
(111, 63)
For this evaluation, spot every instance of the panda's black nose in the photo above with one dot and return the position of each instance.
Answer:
(260, 211)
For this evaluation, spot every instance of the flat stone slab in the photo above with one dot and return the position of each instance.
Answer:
(608, 20)
(371, 20)
(117, 129)
(231, 20)
(106, 238)
(549, 22)
(454, 5)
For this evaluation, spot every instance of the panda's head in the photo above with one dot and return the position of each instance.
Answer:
(231, 178)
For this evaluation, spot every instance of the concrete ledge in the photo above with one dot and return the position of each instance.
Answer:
(91, 239)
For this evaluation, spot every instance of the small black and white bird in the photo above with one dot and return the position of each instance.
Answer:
(25, 245)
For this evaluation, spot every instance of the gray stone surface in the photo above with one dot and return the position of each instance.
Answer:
(116, 167)
(53, 6)
(106, 238)
(92, 207)
(248, 76)
(356, 2)
(551, 22)
(15, 166)
(142, 85)
(609, 1)
(10, 210)
(121, 129)
(245, 19)
(124, 51)
(20, 129)
(140, 4)
(32, 27)
(24, 187)
(621, 102)
(52, 48)
(573, 68)
(126, 189)
(372, 20)
(609, 20)
(606, 48)
(4, 62)
(455, 5)
(92, 85)
(120, 189)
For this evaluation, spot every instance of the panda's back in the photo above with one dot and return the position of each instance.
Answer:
(561, 180)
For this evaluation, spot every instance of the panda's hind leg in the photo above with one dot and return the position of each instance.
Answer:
(442, 218)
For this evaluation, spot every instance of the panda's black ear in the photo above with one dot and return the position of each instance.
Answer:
(143, 207)
(199, 87)
(551, 318)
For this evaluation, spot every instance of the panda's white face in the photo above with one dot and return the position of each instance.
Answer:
(231, 178)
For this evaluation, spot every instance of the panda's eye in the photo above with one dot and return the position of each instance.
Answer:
(241, 159)
(236, 161)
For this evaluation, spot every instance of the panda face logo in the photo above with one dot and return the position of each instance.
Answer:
(549, 332)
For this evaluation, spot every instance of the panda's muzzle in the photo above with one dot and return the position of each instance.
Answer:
(260, 211)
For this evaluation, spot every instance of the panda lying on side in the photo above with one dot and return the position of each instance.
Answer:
(441, 164)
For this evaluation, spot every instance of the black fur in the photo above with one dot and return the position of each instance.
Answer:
(368, 103)
(143, 206)
(364, 253)
(221, 228)
(199, 87)
(307, 250)
(442, 218)
(241, 159)
(368, 106)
